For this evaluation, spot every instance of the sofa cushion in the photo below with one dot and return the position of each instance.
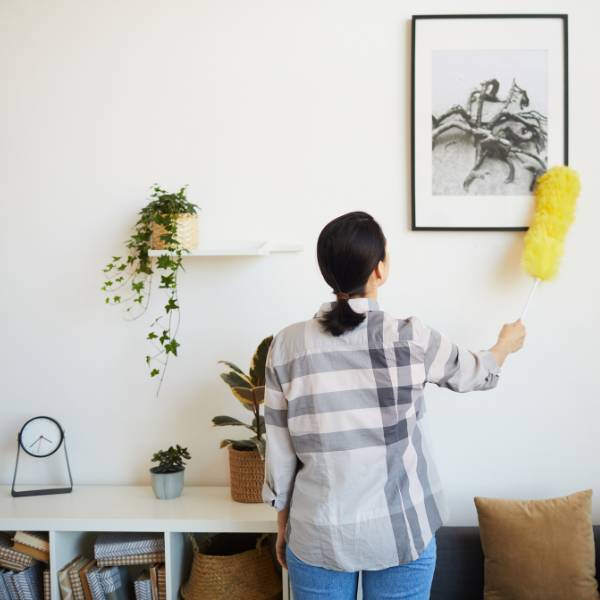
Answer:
(459, 566)
(538, 548)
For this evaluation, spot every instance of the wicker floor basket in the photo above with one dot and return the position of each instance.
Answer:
(187, 233)
(247, 472)
(222, 573)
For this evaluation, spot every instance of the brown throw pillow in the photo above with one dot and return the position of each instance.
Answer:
(538, 549)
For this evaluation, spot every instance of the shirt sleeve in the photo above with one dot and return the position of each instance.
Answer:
(459, 369)
(280, 458)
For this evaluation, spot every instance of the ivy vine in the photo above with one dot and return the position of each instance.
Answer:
(128, 278)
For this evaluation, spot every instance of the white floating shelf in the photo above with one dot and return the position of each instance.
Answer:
(240, 248)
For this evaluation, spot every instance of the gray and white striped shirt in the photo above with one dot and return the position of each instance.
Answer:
(345, 448)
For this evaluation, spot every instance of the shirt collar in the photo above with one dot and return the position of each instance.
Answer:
(359, 305)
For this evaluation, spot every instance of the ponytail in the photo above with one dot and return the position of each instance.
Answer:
(341, 318)
(348, 250)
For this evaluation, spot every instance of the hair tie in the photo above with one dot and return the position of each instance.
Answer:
(342, 295)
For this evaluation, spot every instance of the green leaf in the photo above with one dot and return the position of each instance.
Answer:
(151, 336)
(257, 368)
(171, 305)
(222, 421)
(154, 372)
(234, 379)
(172, 346)
(164, 261)
(233, 367)
(167, 281)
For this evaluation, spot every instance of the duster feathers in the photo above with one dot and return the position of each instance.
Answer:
(555, 199)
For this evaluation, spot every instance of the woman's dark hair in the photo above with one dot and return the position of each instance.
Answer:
(348, 250)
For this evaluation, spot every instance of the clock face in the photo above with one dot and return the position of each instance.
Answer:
(41, 436)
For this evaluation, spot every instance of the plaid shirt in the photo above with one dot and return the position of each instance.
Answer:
(344, 444)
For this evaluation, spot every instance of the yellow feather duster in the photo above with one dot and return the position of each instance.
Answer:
(556, 195)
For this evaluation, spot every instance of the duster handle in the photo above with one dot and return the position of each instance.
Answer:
(529, 297)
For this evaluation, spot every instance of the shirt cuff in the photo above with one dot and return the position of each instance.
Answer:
(277, 501)
(489, 362)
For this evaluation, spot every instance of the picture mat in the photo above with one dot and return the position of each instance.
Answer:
(481, 34)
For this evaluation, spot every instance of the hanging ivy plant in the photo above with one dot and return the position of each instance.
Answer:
(129, 278)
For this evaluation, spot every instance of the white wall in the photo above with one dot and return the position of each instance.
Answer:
(279, 115)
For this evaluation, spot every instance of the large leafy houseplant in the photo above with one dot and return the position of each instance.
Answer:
(128, 279)
(249, 389)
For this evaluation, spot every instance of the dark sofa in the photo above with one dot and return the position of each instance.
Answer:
(459, 568)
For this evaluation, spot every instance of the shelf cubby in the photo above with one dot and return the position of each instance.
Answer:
(74, 520)
(8, 533)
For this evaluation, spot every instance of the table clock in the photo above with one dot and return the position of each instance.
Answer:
(41, 437)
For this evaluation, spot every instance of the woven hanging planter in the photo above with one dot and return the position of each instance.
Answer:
(247, 472)
(187, 232)
(233, 567)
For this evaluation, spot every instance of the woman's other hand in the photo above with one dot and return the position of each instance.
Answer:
(282, 518)
(280, 550)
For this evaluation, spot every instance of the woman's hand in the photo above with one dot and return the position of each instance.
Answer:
(280, 550)
(510, 339)
(282, 517)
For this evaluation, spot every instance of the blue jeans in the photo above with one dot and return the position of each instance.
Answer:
(408, 581)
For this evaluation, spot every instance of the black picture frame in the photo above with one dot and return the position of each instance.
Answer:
(565, 41)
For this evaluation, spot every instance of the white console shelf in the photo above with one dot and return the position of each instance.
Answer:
(72, 521)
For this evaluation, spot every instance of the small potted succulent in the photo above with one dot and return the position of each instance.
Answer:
(167, 476)
(246, 456)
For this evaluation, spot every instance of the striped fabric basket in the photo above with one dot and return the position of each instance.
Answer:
(162, 583)
(187, 233)
(114, 549)
(46, 583)
(131, 559)
(222, 573)
(17, 561)
(247, 473)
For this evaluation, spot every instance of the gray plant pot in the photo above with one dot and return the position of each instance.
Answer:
(167, 486)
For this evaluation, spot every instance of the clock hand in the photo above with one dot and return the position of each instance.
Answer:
(34, 441)
(46, 439)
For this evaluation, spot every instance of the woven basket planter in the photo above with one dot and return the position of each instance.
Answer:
(223, 572)
(187, 233)
(247, 472)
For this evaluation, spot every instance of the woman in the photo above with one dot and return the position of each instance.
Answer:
(347, 467)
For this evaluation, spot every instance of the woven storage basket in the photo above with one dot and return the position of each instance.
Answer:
(187, 232)
(247, 473)
(219, 574)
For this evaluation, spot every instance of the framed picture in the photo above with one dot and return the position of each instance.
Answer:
(489, 115)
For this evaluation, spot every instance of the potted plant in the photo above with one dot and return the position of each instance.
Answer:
(166, 223)
(246, 456)
(167, 476)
